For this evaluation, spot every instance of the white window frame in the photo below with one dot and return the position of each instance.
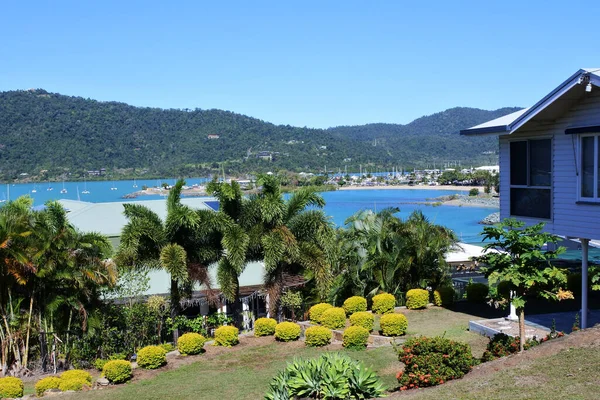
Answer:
(527, 186)
(596, 198)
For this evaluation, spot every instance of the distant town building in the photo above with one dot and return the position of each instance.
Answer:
(265, 155)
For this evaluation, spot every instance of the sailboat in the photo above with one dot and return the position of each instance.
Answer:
(49, 187)
(34, 190)
(134, 183)
(63, 190)
(113, 187)
(85, 191)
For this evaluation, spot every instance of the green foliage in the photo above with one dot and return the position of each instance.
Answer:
(503, 289)
(317, 336)
(355, 337)
(317, 311)
(190, 343)
(264, 327)
(334, 318)
(393, 324)
(383, 303)
(75, 384)
(77, 374)
(332, 376)
(477, 292)
(227, 336)
(437, 298)
(168, 347)
(287, 331)
(49, 382)
(364, 319)
(417, 299)
(151, 357)
(354, 304)
(574, 283)
(445, 296)
(11, 387)
(291, 301)
(474, 192)
(503, 345)
(433, 361)
(99, 363)
(117, 371)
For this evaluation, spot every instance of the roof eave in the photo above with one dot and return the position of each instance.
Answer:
(487, 131)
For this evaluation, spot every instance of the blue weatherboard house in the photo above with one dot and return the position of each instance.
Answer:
(550, 163)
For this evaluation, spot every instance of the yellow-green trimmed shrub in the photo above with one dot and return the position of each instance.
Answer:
(446, 294)
(355, 337)
(227, 336)
(383, 303)
(49, 382)
(317, 310)
(417, 299)
(264, 327)
(437, 298)
(77, 374)
(334, 318)
(364, 319)
(72, 384)
(117, 371)
(168, 347)
(151, 357)
(287, 331)
(190, 343)
(317, 336)
(11, 387)
(393, 324)
(355, 304)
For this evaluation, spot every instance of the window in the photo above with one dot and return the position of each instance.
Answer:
(531, 178)
(590, 168)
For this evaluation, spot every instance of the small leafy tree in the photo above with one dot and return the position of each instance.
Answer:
(520, 260)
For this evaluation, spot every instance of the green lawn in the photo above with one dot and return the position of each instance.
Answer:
(245, 372)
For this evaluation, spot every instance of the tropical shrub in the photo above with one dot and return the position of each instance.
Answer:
(437, 298)
(334, 318)
(75, 384)
(264, 327)
(227, 336)
(417, 299)
(77, 374)
(383, 303)
(477, 293)
(433, 361)
(291, 301)
(355, 337)
(287, 331)
(331, 376)
(117, 371)
(502, 345)
(474, 192)
(49, 382)
(316, 311)
(11, 387)
(317, 336)
(168, 347)
(446, 296)
(354, 304)
(151, 357)
(364, 319)
(190, 343)
(99, 363)
(393, 324)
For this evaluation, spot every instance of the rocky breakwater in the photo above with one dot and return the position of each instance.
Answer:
(491, 219)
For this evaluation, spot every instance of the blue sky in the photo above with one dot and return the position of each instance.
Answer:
(308, 63)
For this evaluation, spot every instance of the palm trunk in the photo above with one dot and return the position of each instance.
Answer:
(521, 312)
(175, 308)
(26, 355)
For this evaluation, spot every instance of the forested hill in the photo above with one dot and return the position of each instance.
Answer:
(41, 130)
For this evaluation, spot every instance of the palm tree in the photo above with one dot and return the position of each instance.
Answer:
(183, 245)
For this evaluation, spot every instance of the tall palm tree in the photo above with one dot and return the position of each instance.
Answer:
(183, 245)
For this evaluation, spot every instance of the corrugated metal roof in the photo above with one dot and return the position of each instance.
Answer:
(502, 121)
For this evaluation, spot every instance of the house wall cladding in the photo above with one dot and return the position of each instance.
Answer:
(568, 217)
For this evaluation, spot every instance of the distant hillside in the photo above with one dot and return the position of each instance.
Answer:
(41, 130)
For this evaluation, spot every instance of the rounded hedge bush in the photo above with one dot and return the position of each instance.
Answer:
(355, 337)
(50, 382)
(75, 384)
(477, 293)
(393, 324)
(504, 288)
(151, 357)
(364, 319)
(264, 327)
(316, 311)
(287, 331)
(11, 387)
(417, 299)
(227, 336)
(355, 304)
(446, 296)
(383, 303)
(77, 374)
(334, 318)
(99, 363)
(317, 336)
(117, 371)
(190, 343)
